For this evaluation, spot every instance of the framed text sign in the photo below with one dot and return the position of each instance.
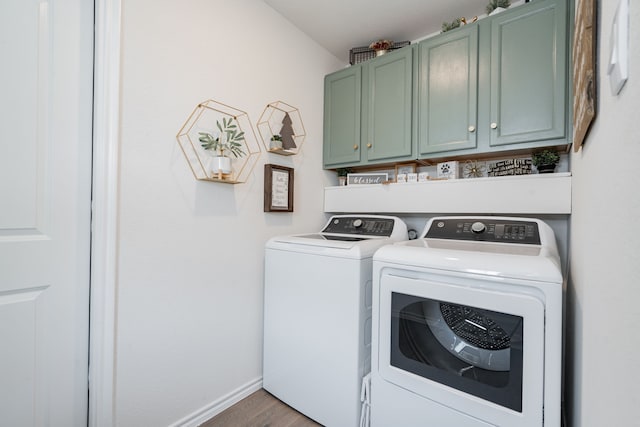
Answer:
(367, 178)
(278, 188)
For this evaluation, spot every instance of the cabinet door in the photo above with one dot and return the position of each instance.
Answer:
(387, 104)
(448, 91)
(342, 99)
(528, 74)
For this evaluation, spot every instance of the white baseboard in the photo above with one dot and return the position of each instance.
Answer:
(214, 408)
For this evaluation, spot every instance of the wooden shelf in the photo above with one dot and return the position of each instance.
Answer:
(525, 194)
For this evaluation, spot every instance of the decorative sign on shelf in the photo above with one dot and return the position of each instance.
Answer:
(509, 167)
(448, 170)
(367, 178)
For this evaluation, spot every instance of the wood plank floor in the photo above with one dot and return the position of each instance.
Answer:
(260, 409)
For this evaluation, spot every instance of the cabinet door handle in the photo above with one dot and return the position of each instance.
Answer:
(369, 145)
(355, 147)
(494, 125)
(472, 128)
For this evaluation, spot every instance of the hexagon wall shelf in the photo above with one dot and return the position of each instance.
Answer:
(281, 129)
(205, 118)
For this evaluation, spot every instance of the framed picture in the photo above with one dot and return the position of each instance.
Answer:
(278, 188)
(405, 169)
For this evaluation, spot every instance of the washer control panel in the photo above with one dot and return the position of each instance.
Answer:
(485, 230)
(360, 225)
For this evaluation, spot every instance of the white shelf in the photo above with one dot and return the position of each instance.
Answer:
(525, 194)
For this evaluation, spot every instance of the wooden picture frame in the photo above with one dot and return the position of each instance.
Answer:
(278, 188)
(585, 78)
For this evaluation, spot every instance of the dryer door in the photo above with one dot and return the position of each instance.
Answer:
(466, 343)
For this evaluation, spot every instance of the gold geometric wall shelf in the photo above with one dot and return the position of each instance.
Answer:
(226, 125)
(281, 129)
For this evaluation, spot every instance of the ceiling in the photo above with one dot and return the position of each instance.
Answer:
(339, 25)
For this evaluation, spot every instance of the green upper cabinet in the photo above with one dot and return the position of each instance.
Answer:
(529, 74)
(498, 85)
(342, 101)
(387, 107)
(447, 86)
(367, 112)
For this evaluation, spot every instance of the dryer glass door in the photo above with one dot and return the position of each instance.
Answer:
(468, 348)
(470, 343)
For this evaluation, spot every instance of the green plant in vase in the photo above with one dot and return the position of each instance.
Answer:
(228, 141)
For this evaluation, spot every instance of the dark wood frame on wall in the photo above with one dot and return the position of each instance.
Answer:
(269, 197)
(585, 65)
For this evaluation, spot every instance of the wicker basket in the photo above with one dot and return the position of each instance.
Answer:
(362, 54)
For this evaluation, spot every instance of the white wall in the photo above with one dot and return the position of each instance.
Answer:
(190, 267)
(604, 292)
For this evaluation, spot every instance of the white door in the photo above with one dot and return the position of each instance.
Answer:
(46, 48)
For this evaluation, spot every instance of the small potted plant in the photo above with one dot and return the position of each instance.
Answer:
(276, 142)
(342, 175)
(546, 160)
(226, 141)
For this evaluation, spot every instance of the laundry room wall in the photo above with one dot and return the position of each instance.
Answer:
(190, 264)
(603, 310)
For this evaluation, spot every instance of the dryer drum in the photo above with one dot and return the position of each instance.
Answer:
(474, 327)
(470, 334)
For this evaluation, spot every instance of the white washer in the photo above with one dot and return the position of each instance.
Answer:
(317, 315)
(467, 326)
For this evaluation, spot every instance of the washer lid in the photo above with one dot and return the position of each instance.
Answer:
(367, 232)
(319, 239)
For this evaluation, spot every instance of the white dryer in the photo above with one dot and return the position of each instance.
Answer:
(317, 315)
(467, 326)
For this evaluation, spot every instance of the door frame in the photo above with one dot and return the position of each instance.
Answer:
(106, 127)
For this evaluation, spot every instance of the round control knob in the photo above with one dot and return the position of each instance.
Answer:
(357, 223)
(478, 227)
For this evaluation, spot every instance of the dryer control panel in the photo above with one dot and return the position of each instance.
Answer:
(360, 225)
(484, 230)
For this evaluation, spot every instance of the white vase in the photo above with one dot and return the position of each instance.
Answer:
(220, 164)
(275, 145)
